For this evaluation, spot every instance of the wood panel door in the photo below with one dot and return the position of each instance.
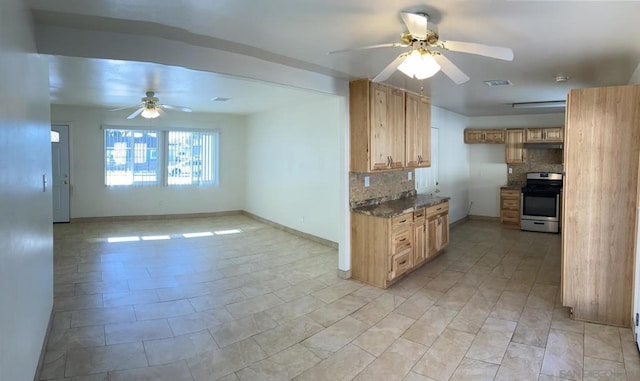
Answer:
(395, 122)
(417, 131)
(514, 150)
(381, 134)
(553, 134)
(602, 146)
(473, 136)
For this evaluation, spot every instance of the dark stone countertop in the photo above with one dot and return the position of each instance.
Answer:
(397, 207)
(514, 185)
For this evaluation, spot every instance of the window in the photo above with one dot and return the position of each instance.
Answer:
(129, 159)
(191, 157)
(138, 157)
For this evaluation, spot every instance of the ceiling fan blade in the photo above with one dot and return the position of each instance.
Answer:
(390, 45)
(451, 70)
(386, 73)
(136, 113)
(417, 24)
(125, 107)
(179, 108)
(479, 49)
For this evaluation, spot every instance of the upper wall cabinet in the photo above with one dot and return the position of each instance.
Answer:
(539, 135)
(483, 136)
(417, 131)
(513, 146)
(384, 133)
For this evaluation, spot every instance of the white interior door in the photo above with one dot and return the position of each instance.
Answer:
(60, 172)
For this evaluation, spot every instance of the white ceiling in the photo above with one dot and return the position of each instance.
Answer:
(594, 43)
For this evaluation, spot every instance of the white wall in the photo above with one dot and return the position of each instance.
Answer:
(294, 166)
(26, 244)
(487, 173)
(507, 121)
(454, 160)
(91, 198)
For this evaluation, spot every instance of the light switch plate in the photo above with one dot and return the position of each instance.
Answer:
(510, 170)
(409, 175)
(366, 181)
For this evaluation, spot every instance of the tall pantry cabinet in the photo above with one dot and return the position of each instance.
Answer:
(600, 198)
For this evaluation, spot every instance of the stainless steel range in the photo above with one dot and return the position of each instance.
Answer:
(540, 202)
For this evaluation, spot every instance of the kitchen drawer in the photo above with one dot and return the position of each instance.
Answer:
(402, 222)
(437, 209)
(510, 217)
(401, 240)
(419, 215)
(401, 263)
(510, 193)
(510, 204)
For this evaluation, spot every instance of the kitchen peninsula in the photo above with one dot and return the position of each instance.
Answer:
(391, 239)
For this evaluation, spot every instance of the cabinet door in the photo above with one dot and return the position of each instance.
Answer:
(432, 232)
(380, 133)
(534, 135)
(395, 122)
(443, 231)
(494, 136)
(553, 135)
(473, 136)
(513, 148)
(418, 131)
(419, 240)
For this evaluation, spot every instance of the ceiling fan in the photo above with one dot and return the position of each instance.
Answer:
(151, 107)
(425, 58)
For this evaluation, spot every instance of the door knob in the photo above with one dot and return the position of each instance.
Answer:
(66, 182)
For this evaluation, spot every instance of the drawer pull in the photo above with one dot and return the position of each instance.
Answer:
(403, 262)
(404, 239)
(402, 222)
(440, 208)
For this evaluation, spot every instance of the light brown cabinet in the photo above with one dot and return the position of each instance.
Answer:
(437, 228)
(387, 127)
(510, 206)
(385, 249)
(600, 203)
(420, 238)
(417, 131)
(545, 135)
(514, 150)
(472, 136)
(386, 133)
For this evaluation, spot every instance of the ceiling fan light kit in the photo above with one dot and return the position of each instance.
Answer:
(419, 65)
(150, 113)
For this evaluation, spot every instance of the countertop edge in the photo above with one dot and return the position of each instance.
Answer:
(395, 208)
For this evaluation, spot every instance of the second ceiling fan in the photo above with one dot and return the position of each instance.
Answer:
(425, 58)
(151, 108)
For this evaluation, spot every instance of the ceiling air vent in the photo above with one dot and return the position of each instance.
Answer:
(220, 99)
(498, 82)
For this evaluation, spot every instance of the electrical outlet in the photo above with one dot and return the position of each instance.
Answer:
(409, 175)
(366, 181)
(510, 170)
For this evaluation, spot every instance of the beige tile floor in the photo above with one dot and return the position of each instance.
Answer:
(262, 304)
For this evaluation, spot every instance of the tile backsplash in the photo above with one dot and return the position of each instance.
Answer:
(538, 160)
(383, 186)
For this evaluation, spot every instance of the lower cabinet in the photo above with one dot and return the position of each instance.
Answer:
(510, 206)
(385, 249)
(437, 228)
